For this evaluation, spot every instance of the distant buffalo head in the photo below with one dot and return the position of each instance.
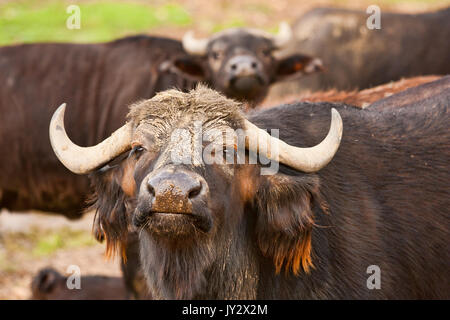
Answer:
(49, 284)
(212, 216)
(240, 62)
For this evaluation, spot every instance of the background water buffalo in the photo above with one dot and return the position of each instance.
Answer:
(355, 57)
(49, 284)
(358, 98)
(240, 62)
(383, 200)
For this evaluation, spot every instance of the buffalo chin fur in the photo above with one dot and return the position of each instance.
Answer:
(174, 272)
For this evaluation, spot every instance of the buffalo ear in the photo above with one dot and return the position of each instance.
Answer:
(111, 222)
(45, 282)
(187, 67)
(285, 217)
(297, 65)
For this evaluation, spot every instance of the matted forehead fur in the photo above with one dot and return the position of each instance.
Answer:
(172, 108)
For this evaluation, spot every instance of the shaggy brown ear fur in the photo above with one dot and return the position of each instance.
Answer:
(111, 220)
(187, 67)
(285, 220)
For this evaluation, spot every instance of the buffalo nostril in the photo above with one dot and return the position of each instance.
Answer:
(233, 67)
(151, 189)
(195, 191)
(139, 219)
(254, 65)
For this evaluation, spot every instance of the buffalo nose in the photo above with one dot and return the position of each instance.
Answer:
(243, 66)
(173, 191)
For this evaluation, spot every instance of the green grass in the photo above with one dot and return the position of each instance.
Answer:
(32, 21)
(62, 239)
(40, 243)
(48, 244)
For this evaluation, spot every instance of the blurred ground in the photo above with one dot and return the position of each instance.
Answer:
(29, 242)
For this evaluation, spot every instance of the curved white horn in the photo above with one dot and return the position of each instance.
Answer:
(82, 160)
(284, 35)
(303, 159)
(193, 45)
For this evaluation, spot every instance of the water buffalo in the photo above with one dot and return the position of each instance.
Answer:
(241, 62)
(49, 284)
(216, 227)
(99, 81)
(356, 57)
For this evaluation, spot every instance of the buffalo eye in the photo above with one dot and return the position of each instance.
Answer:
(136, 151)
(266, 52)
(216, 55)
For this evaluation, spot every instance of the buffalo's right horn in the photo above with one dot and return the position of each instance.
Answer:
(304, 159)
(194, 46)
(284, 35)
(82, 160)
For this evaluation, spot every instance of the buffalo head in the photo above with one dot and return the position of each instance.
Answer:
(176, 173)
(240, 62)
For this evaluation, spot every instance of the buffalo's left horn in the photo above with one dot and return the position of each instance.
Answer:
(303, 159)
(82, 160)
(193, 45)
(283, 36)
